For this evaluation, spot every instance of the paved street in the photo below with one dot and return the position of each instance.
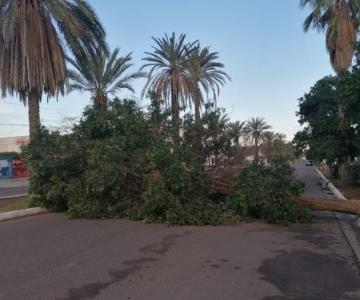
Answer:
(311, 178)
(50, 257)
(10, 187)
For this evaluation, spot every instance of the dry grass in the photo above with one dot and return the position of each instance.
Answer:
(350, 192)
(7, 205)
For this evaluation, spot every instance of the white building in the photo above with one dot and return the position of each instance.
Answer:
(13, 144)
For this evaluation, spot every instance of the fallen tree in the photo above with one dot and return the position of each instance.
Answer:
(316, 204)
(344, 206)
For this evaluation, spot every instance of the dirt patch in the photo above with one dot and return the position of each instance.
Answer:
(306, 275)
(350, 192)
(13, 204)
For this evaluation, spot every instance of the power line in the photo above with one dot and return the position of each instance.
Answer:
(21, 117)
(4, 124)
(42, 107)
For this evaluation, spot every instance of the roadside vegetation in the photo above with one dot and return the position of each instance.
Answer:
(329, 112)
(169, 162)
(121, 162)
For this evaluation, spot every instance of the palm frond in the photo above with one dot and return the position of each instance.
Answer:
(101, 73)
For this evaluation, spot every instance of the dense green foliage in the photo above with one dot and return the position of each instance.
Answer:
(120, 161)
(353, 174)
(263, 191)
(322, 138)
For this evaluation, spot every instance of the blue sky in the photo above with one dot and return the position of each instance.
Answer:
(262, 44)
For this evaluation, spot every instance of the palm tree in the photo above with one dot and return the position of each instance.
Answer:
(254, 130)
(101, 74)
(167, 74)
(205, 76)
(216, 123)
(340, 19)
(236, 130)
(274, 144)
(33, 37)
(268, 144)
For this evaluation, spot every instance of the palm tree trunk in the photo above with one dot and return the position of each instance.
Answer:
(343, 143)
(100, 100)
(34, 114)
(256, 156)
(269, 154)
(197, 110)
(175, 115)
(198, 129)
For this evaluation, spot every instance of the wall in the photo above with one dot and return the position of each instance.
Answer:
(12, 144)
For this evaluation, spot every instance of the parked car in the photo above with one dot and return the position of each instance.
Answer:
(309, 163)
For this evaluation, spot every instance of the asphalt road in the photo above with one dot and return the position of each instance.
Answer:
(13, 187)
(50, 257)
(311, 178)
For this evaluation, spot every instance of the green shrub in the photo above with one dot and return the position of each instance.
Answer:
(53, 162)
(182, 198)
(106, 167)
(264, 191)
(121, 162)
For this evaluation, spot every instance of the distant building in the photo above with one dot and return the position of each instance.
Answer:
(13, 144)
(10, 164)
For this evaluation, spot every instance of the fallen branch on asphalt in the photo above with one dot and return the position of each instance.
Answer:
(316, 204)
(348, 206)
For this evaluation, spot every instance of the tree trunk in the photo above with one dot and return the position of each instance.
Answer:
(197, 110)
(34, 114)
(269, 152)
(198, 129)
(100, 100)
(348, 206)
(344, 147)
(175, 115)
(256, 156)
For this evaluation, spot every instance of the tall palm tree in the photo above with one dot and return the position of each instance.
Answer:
(340, 19)
(236, 130)
(268, 144)
(33, 39)
(274, 144)
(205, 76)
(255, 130)
(167, 74)
(101, 74)
(216, 123)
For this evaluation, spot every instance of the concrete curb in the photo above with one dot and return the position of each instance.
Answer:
(332, 187)
(15, 196)
(346, 227)
(350, 236)
(21, 213)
